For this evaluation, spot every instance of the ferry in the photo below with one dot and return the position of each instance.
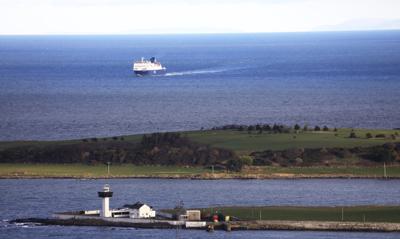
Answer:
(148, 67)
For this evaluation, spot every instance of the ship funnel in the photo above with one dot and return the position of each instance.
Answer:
(153, 59)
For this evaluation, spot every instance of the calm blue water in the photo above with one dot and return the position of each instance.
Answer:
(57, 87)
(40, 198)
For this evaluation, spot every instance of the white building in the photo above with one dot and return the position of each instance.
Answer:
(140, 210)
(137, 210)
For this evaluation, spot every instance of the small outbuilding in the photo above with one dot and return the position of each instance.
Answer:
(190, 215)
(140, 210)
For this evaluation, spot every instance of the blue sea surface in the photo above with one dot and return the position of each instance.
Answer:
(62, 87)
(42, 197)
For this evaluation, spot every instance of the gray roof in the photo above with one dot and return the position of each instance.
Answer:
(136, 205)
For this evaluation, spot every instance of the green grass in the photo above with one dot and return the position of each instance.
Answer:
(391, 171)
(81, 170)
(129, 170)
(355, 214)
(11, 144)
(244, 143)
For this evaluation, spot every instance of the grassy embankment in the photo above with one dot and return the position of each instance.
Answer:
(241, 142)
(95, 171)
(126, 170)
(287, 213)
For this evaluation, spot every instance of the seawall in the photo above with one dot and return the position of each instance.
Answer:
(234, 225)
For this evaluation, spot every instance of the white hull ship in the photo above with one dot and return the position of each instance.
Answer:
(148, 67)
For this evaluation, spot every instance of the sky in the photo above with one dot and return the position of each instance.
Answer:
(36, 17)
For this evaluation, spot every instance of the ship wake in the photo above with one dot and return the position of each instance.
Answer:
(195, 72)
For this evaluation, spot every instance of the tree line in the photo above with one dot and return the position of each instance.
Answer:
(153, 149)
(274, 128)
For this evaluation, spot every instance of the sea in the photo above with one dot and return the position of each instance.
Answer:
(67, 87)
(24, 198)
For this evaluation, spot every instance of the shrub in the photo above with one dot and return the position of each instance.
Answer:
(382, 154)
(368, 135)
(352, 135)
(234, 165)
(246, 160)
(380, 136)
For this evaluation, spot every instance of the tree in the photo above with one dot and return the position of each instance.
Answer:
(325, 128)
(368, 135)
(258, 127)
(246, 160)
(235, 165)
(317, 128)
(383, 154)
(266, 127)
(296, 127)
(352, 135)
(276, 128)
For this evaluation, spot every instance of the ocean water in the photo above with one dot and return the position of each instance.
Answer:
(61, 87)
(42, 197)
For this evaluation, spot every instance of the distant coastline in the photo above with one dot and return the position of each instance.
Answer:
(227, 152)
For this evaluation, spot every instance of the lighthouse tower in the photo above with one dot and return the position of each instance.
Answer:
(105, 195)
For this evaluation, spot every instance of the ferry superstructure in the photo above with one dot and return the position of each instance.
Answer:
(146, 67)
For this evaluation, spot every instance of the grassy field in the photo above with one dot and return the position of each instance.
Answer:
(87, 171)
(129, 170)
(391, 171)
(355, 214)
(244, 143)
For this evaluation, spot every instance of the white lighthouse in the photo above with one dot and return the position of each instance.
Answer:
(105, 195)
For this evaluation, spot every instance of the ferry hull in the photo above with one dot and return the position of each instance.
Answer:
(153, 72)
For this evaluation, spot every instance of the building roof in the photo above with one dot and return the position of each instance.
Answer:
(136, 205)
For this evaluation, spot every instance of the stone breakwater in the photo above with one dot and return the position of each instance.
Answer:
(315, 226)
(231, 226)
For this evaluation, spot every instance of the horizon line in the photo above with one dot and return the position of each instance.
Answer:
(197, 33)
